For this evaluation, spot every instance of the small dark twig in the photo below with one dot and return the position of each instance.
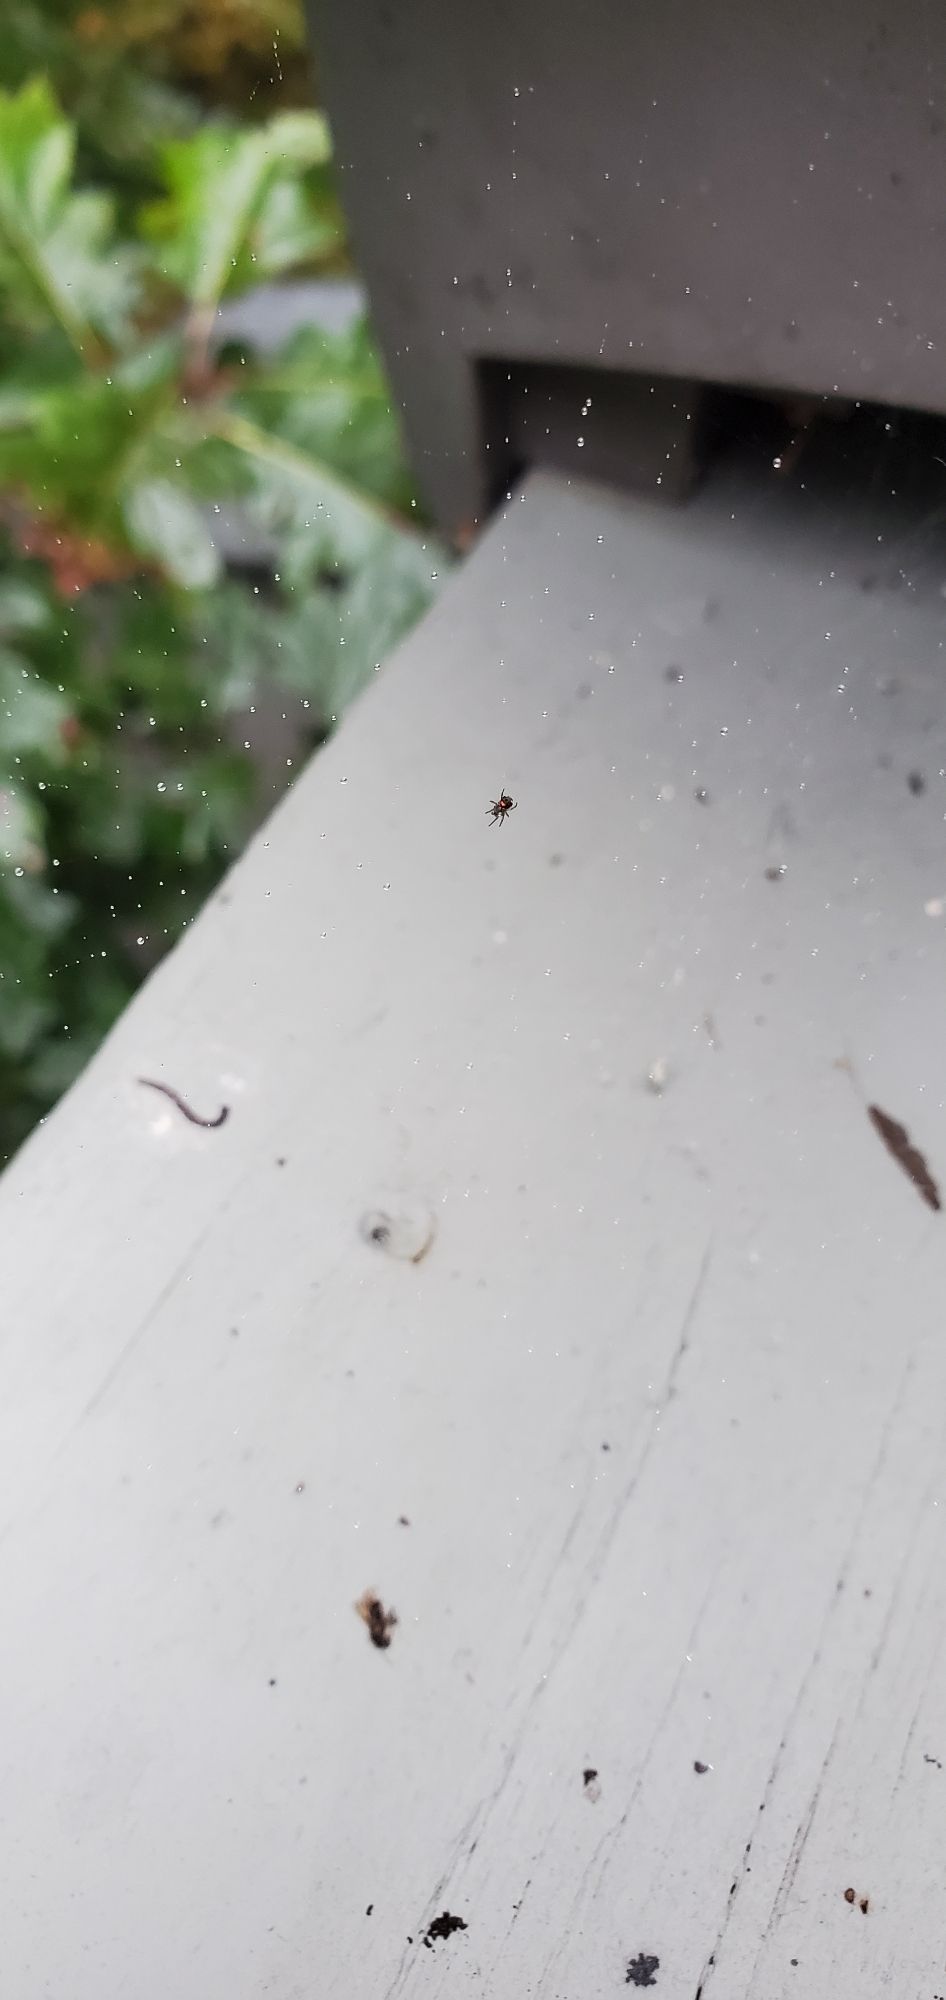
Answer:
(193, 1117)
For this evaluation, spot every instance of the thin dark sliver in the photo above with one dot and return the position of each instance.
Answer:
(193, 1117)
(896, 1138)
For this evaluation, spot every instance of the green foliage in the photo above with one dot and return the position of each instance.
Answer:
(130, 653)
(59, 262)
(133, 74)
(236, 208)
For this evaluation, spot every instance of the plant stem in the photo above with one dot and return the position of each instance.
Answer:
(248, 437)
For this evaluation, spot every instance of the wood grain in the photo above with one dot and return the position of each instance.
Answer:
(647, 1451)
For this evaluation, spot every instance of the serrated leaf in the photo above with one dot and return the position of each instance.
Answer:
(218, 182)
(59, 262)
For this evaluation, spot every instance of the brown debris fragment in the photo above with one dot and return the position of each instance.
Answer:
(896, 1138)
(380, 1622)
(849, 1895)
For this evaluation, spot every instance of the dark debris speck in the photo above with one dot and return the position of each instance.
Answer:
(916, 782)
(700, 1769)
(442, 1927)
(380, 1622)
(641, 1970)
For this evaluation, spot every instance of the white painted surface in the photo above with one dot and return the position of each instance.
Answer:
(726, 1281)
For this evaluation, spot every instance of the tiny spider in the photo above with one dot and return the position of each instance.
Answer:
(498, 808)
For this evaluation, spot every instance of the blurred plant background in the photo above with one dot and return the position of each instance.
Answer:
(205, 548)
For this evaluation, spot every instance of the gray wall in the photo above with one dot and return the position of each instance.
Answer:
(739, 194)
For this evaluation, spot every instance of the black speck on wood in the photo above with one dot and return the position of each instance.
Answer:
(641, 1970)
(896, 1138)
(442, 1927)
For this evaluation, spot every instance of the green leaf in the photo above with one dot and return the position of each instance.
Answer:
(78, 448)
(294, 230)
(327, 395)
(163, 522)
(218, 182)
(59, 262)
